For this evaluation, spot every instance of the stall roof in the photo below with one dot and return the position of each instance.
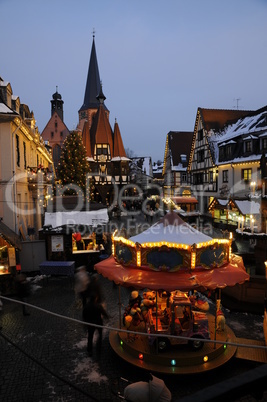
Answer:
(247, 207)
(92, 218)
(184, 200)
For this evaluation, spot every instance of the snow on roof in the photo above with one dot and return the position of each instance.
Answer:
(248, 126)
(179, 168)
(3, 83)
(171, 228)
(242, 159)
(119, 158)
(92, 218)
(245, 125)
(5, 109)
(247, 207)
(222, 202)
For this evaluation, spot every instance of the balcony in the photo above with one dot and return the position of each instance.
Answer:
(38, 177)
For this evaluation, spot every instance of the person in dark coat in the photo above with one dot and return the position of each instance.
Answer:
(94, 289)
(23, 291)
(93, 313)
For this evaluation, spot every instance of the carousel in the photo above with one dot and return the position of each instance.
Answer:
(167, 326)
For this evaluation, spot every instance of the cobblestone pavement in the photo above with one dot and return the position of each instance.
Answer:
(43, 357)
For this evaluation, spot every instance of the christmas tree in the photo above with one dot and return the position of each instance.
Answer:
(73, 166)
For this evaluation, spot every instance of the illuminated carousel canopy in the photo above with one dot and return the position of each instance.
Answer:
(173, 255)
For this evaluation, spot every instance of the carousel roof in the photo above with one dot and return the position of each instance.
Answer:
(172, 229)
(228, 275)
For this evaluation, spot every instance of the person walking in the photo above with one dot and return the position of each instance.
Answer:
(93, 313)
(94, 289)
(82, 282)
(23, 291)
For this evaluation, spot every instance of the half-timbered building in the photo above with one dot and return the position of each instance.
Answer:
(177, 151)
(203, 159)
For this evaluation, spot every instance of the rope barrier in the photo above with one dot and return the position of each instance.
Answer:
(109, 328)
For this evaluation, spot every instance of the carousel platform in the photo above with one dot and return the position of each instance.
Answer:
(179, 359)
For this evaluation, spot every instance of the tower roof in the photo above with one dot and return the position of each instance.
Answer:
(87, 140)
(101, 130)
(118, 144)
(93, 84)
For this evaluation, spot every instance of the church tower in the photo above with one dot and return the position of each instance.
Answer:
(92, 90)
(57, 105)
(104, 147)
(56, 131)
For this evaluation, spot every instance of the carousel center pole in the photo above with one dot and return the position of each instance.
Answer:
(120, 304)
(215, 321)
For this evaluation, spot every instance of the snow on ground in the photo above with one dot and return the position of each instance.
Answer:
(88, 370)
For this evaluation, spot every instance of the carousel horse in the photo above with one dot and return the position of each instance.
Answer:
(198, 303)
(220, 316)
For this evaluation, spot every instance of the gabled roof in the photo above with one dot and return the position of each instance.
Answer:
(118, 144)
(93, 84)
(101, 132)
(216, 119)
(178, 143)
(52, 118)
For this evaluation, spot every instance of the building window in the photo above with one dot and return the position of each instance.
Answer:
(225, 176)
(246, 175)
(61, 133)
(248, 146)
(24, 152)
(264, 143)
(17, 150)
(184, 177)
(52, 134)
(228, 151)
(200, 155)
(198, 178)
(221, 153)
(211, 176)
(200, 134)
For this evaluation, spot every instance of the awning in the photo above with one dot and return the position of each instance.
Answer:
(199, 279)
(184, 200)
(10, 236)
(91, 218)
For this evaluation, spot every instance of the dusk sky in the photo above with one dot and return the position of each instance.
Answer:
(158, 60)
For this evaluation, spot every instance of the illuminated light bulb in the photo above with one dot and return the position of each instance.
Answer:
(173, 362)
(205, 359)
(224, 346)
(121, 342)
(193, 260)
(141, 356)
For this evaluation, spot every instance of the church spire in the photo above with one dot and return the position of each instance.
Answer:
(92, 88)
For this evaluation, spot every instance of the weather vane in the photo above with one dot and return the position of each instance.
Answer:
(93, 32)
